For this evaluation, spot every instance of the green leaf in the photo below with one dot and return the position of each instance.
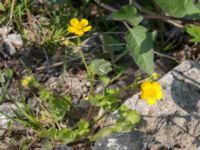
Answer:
(126, 13)
(45, 94)
(47, 145)
(129, 115)
(65, 135)
(48, 133)
(102, 133)
(105, 80)
(123, 126)
(9, 73)
(111, 44)
(194, 32)
(100, 67)
(140, 46)
(2, 8)
(178, 8)
(58, 106)
(82, 124)
(108, 100)
(128, 118)
(133, 116)
(83, 128)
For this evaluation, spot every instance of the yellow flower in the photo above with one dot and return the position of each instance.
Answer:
(26, 81)
(66, 42)
(79, 27)
(151, 91)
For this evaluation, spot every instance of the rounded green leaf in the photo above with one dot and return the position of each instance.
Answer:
(140, 46)
(179, 8)
(127, 13)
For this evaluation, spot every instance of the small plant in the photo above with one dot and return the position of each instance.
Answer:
(55, 119)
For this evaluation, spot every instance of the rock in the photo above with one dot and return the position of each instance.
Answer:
(174, 121)
(9, 48)
(5, 30)
(16, 40)
(6, 108)
(10, 42)
(125, 141)
(64, 147)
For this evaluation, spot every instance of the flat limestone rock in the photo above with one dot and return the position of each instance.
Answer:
(125, 141)
(173, 122)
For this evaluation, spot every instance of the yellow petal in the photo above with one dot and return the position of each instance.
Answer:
(156, 85)
(151, 101)
(24, 83)
(80, 33)
(158, 90)
(86, 29)
(146, 85)
(84, 22)
(143, 95)
(159, 95)
(74, 22)
(71, 29)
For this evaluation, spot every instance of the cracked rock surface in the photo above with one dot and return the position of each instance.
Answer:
(174, 121)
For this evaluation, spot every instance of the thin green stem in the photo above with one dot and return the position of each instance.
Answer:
(91, 78)
(64, 68)
(82, 55)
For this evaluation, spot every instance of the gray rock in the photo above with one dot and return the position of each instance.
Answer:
(12, 42)
(9, 48)
(15, 39)
(175, 120)
(125, 141)
(6, 108)
(5, 30)
(65, 147)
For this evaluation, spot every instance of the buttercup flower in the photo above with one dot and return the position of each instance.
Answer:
(151, 91)
(79, 27)
(26, 81)
(66, 42)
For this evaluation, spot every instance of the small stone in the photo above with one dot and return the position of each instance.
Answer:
(85, 89)
(125, 141)
(11, 42)
(5, 30)
(16, 40)
(88, 84)
(63, 147)
(6, 108)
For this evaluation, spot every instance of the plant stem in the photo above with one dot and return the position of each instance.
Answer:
(91, 79)
(12, 10)
(64, 69)
(81, 54)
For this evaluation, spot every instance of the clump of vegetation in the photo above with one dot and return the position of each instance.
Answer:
(52, 26)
